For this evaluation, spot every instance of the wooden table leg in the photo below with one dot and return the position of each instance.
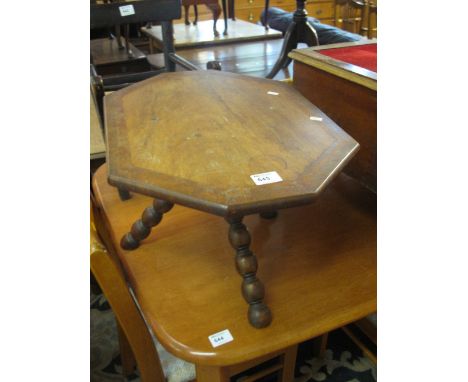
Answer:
(259, 314)
(123, 194)
(320, 345)
(141, 229)
(298, 31)
(289, 364)
(126, 354)
(211, 374)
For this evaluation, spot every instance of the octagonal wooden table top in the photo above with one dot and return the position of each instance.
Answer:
(196, 139)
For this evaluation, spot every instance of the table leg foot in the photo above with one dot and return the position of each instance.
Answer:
(269, 214)
(123, 194)
(259, 314)
(141, 229)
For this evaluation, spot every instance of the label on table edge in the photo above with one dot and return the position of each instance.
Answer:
(127, 10)
(220, 338)
(266, 178)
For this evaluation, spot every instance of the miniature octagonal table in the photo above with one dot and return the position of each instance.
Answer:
(226, 144)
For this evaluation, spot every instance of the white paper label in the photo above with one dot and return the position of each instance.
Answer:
(266, 178)
(272, 93)
(220, 338)
(127, 10)
(312, 118)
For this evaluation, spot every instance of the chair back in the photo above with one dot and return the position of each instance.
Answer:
(141, 11)
(128, 12)
(110, 276)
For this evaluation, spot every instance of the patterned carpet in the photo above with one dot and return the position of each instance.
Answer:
(343, 361)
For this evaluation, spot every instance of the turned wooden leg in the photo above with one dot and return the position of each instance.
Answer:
(246, 263)
(142, 227)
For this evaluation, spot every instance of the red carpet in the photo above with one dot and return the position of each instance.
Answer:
(364, 56)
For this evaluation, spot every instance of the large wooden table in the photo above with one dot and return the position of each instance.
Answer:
(341, 79)
(319, 262)
(225, 144)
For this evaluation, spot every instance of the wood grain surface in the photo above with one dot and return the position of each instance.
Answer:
(312, 57)
(250, 58)
(195, 138)
(105, 51)
(318, 264)
(351, 105)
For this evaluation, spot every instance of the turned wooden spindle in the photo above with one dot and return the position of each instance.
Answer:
(142, 227)
(259, 314)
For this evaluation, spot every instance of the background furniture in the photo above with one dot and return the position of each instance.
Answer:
(250, 10)
(348, 15)
(201, 35)
(109, 59)
(346, 92)
(364, 335)
(299, 31)
(357, 16)
(327, 34)
(213, 5)
(250, 58)
(98, 147)
(326, 279)
(163, 11)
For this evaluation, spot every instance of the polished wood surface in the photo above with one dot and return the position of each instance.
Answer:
(232, 127)
(351, 104)
(357, 16)
(190, 36)
(312, 57)
(250, 10)
(139, 347)
(105, 51)
(319, 263)
(250, 58)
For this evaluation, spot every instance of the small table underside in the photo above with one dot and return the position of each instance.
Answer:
(196, 138)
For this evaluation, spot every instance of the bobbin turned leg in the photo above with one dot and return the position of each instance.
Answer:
(142, 227)
(246, 263)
